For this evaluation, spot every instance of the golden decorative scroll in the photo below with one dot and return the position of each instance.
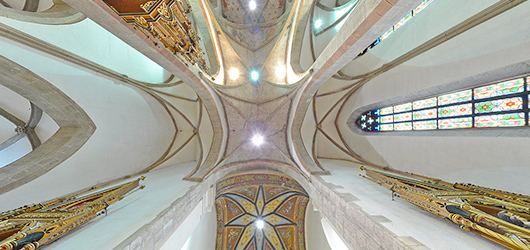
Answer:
(497, 215)
(165, 21)
(30, 227)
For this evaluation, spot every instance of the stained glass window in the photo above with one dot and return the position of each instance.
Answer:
(427, 103)
(462, 96)
(455, 110)
(403, 126)
(465, 122)
(387, 127)
(503, 88)
(425, 114)
(403, 107)
(507, 104)
(401, 22)
(500, 104)
(422, 6)
(504, 120)
(386, 119)
(386, 111)
(424, 125)
(387, 33)
(403, 117)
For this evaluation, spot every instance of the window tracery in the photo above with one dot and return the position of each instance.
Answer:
(403, 20)
(499, 104)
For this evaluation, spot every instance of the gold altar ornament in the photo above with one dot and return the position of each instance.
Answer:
(167, 22)
(30, 227)
(500, 216)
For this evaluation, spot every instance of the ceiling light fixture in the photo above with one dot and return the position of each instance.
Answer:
(258, 139)
(280, 71)
(254, 75)
(318, 24)
(233, 73)
(252, 5)
(260, 224)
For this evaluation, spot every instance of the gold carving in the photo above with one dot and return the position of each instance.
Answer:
(140, 21)
(164, 10)
(166, 22)
(147, 6)
(37, 225)
(500, 216)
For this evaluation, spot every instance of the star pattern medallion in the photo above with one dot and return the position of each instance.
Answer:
(281, 210)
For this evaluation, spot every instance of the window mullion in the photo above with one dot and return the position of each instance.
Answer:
(473, 108)
(525, 101)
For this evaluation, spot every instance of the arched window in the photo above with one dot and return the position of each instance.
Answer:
(499, 104)
(403, 20)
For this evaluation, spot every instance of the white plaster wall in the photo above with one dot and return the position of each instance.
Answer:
(314, 233)
(15, 151)
(190, 111)
(162, 187)
(322, 40)
(497, 162)
(334, 239)
(306, 59)
(133, 129)
(45, 4)
(16, 4)
(19, 4)
(307, 131)
(46, 127)
(203, 235)
(18, 106)
(433, 20)
(89, 40)
(7, 129)
(402, 218)
(14, 103)
(206, 132)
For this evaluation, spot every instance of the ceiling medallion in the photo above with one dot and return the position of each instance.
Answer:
(260, 211)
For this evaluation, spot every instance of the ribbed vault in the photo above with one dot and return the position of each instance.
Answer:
(260, 211)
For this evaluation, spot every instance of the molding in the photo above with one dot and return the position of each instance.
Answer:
(75, 127)
(59, 14)
(509, 71)
(359, 229)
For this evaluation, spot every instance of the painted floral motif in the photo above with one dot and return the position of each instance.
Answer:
(280, 208)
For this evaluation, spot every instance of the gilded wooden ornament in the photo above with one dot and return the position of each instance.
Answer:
(167, 22)
(37, 225)
(500, 216)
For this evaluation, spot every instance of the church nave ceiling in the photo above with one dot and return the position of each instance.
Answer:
(260, 211)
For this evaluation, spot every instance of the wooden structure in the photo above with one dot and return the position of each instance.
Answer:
(29, 227)
(167, 22)
(500, 216)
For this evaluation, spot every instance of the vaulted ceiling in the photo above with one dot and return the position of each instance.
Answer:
(233, 109)
(309, 82)
(260, 211)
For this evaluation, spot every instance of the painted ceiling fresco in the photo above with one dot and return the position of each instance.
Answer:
(255, 28)
(239, 12)
(243, 201)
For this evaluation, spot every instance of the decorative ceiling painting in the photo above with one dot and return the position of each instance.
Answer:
(260, 211)
(252, 29)
(237, 12)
